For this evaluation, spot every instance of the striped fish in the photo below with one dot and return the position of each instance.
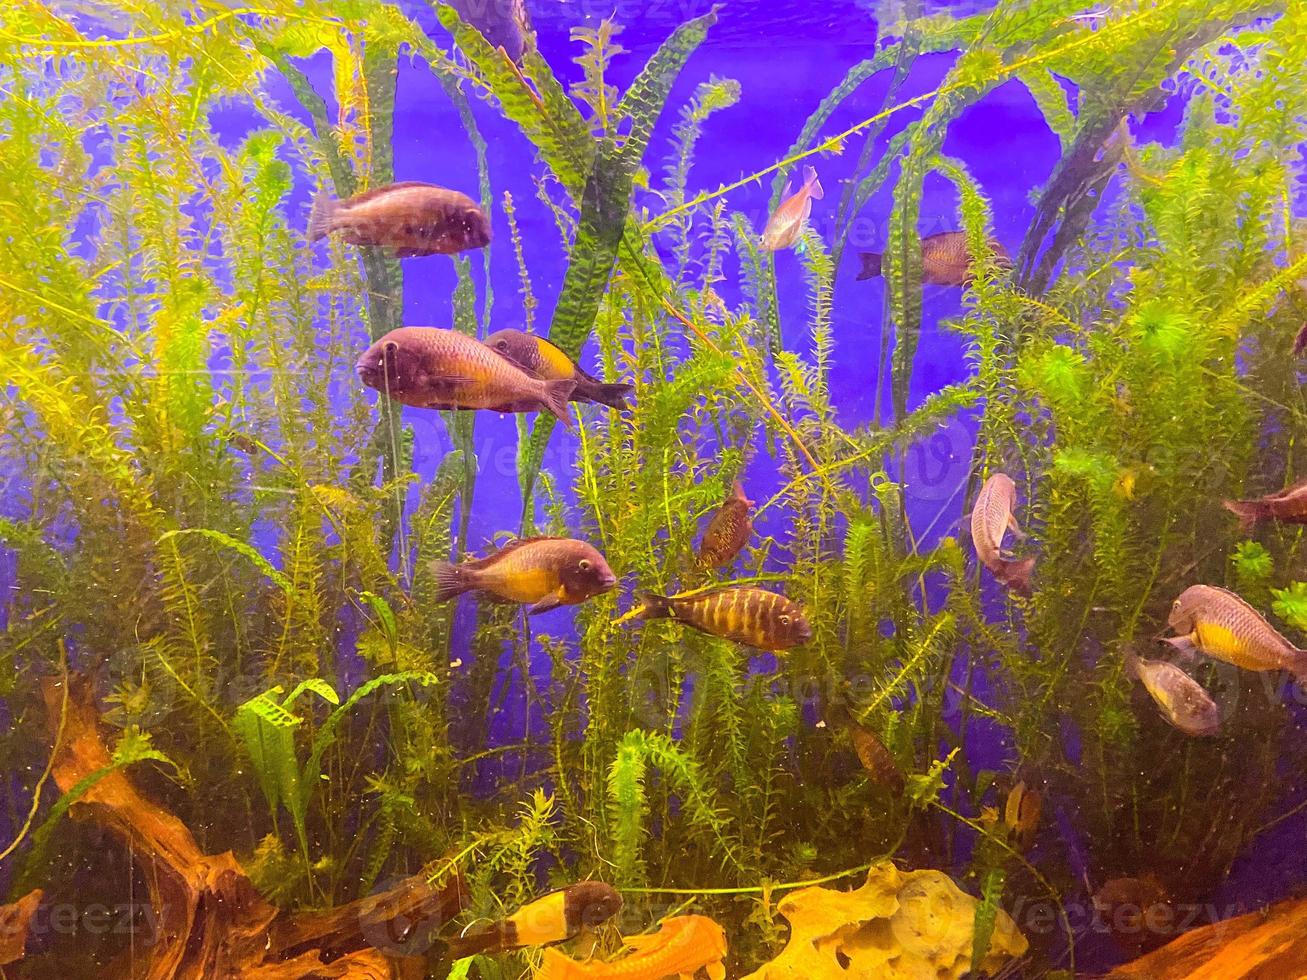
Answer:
(991, 518)
(742, 613)
(1220, 624)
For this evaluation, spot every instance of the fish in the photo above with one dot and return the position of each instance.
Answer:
(503, 23)
(1288, 506)
(1220, 624)
(681, 947)
(741, 613)
(728, 531)
(1300, 341)
(410, 217)
(1184, 703)
(557, 917)
(541, 359)
(1021, 812)
(430, 367)
(1135, 910)
(546, 572)
(945, 260)
(990, 519)
(876, 759)
(786, 222)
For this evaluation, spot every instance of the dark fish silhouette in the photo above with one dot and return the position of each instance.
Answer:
(557, 917)
(945, 260)
(1300, 341)
(762, 619)
(428, 367)
(537, 356)
(728, 530)
(546, 572)
(876, 759)
(411, 217)
(1288, 506)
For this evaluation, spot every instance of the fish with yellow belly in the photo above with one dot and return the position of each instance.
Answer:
(548, 362)
(545, 572)
(682, 946)
(1220, 624)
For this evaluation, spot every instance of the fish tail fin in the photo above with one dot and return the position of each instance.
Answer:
(870, 265)
(1249, 512)
(737, 488)
(1016, 574)
(494, 936)
(654, 606)
(554, 399)
(814, 185)
(614, 396)
(322, 216)
(451, 580)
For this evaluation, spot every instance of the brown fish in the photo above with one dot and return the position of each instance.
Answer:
(1300, 341)
(786, 222)
(538, 357)
(411, 217)
(945, 260)
(1288, 506)
(1136, 911)
(428, 367)
(546, 572)
(876, 759)
(1021, 812)
(1220, 624)
(990, 519)
(741, 613)
(557, 917)
(728, 530)
(1184, 703)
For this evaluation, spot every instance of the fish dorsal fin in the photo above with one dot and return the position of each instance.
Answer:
(376, 192)
(645, 941)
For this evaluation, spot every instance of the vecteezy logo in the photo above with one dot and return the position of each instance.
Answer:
(935, 466)
(403, 916)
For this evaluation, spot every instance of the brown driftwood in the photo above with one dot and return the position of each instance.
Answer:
(15, 920)
(211, 921)
(1266, 945)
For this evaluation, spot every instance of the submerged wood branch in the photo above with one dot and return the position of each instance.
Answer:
(211, 921)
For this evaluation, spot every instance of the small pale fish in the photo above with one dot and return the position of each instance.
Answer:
(945, 260)
(1288, 506)
(410, 217)
(1021, 812)
(682, 946)
(741, 613)
(557, 917)
(991, 518)
(539, 358)
(428, 367)
(1184, 703)
(728, 531)
(876, 758)
(1220, 624)
(786, 223)
(545, 572)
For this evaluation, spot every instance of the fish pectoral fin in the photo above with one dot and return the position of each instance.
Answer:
(552, 601)
(1014, 527)
(1184, 646)
(640, 943)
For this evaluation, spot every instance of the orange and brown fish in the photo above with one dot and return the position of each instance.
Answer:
(538, 357)
(786, 222)
(1021, 813)
(681, 947)
(1288, 506)
(728, 531)
(546, 572)
(876, 758)
(429, 367)
(557, 917)
(991, 518)
(1184, 703)
(945, 260)
(411, 217)
(741, 613)
(1220, 624)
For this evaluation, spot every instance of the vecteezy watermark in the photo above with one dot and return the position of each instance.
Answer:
(140, 920)
(1043, 917)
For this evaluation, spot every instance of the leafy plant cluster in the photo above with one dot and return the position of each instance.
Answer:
(205, 511)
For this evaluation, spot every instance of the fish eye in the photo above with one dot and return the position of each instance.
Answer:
(785, 620)
(583, 564)
(501, 344)
(1176, 604)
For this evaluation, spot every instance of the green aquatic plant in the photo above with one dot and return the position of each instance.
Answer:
(212, 514)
